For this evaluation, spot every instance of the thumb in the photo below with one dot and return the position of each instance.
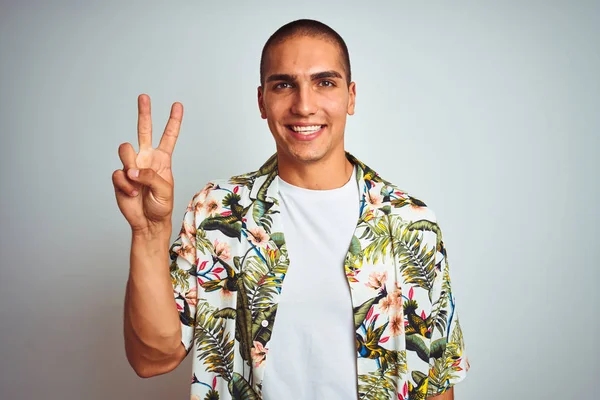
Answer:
(148, 177)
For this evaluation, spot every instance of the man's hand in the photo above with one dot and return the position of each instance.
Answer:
(144, 187)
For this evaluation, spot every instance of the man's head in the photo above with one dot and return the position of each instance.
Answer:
(306, 91)
(309, 28)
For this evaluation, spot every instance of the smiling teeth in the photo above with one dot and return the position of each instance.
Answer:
(306, 129)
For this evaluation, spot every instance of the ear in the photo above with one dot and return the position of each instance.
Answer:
(261, 104)
(351, 97)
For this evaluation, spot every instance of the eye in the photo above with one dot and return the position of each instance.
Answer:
(327, 83)
(282, 85)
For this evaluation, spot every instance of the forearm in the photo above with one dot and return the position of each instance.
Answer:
(151, 327)
(447, 395)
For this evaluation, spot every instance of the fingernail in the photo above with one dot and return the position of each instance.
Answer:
(134, 193)
(134, 173)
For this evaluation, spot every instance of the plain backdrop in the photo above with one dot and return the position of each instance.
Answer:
(487, 111)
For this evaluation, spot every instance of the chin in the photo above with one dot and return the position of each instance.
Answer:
(307, 155)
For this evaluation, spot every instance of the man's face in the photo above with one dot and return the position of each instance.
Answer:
(305, 98)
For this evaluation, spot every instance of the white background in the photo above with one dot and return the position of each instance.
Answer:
(487, 111)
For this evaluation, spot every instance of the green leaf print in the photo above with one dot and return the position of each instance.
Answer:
(376, 386)
(260, 332)
(227, 312)
(262, 192)
(355, 247)
(439, 316)
(418, 376)
(424, 225)
(361, 311)
(260, 214)
(377, 232)
(437, 348)
(261, 284)
(416, 344)
(278, 239)
(214, 346)
(416, 260)
(203, 244)
(179, 277)
(240, 389)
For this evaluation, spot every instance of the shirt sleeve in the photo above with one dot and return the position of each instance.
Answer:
(183, 273)
(448, 362)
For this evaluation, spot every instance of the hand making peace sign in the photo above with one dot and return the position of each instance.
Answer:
(144, 187)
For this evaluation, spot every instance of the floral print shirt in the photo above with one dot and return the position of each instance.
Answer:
(228, 266)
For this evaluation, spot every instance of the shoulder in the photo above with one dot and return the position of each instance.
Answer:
(217, 190)
(402, 203)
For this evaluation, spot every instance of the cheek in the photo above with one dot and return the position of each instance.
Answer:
(276, 110)
(336, 106)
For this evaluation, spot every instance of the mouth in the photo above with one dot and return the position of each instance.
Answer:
(305, 132)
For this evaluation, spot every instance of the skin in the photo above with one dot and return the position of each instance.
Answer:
(305, 84)
(144, 192)
(448, 395)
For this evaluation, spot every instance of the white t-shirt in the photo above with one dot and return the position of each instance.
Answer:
(315, 303)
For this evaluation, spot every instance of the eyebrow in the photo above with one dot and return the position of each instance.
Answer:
(314, 77)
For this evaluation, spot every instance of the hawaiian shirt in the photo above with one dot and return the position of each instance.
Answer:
(228, 267)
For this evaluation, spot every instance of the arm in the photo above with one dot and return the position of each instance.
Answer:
(144, 192)
(151, 327)
(447, 395)
(448, 364)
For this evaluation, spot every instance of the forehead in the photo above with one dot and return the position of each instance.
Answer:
(304, 55)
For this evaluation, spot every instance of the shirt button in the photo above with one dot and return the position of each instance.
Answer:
(264, 323)
(281, 258)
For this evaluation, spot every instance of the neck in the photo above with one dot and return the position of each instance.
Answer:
(329, 173)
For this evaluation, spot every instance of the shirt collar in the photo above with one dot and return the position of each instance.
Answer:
(266, 183)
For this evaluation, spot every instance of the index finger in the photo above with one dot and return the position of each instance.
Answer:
(169, 137)
(144, 122)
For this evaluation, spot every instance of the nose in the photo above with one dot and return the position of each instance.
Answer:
(305, 101)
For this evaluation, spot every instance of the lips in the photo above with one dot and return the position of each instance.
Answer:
(305, 132)
(305, 128)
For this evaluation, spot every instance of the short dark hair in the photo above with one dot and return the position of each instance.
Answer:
(311, 28)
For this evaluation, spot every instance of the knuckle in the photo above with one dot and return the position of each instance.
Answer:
(117, 175)
(149, 173)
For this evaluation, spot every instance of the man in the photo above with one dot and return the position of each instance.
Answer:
(366, 310)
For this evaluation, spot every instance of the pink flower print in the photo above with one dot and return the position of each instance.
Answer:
(377, 280)
(212, 208)
(385, 304)
(200, 198)
(258, 236)
(203, 194)
(199, 206)
(396, 325)
(374, 197)
(189, 232)
(187, 251)
(259, 353)
(395, 298)
(391, 302)
(192, 297)
(222, 250)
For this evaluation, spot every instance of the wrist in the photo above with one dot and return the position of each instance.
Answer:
(154, 232)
